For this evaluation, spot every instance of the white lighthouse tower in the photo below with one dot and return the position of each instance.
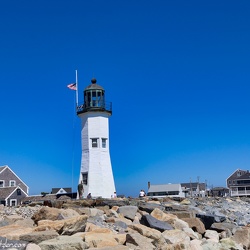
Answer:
(96, 173)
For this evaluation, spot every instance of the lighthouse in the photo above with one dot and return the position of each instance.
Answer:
(96, 173)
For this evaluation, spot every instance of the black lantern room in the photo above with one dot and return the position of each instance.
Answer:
(94, 99)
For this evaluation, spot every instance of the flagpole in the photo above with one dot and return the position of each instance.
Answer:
(76, 89)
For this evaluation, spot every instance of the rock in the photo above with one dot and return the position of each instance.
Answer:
(161, 215)
(128, 212)
(175, 236)
(33, 246)
(63, 243)
(180, 224)
(242, 236)
(66, 214)
(100, 239)
(146, 231)
(185, 202)
(49, 213)
(212, 235)
(74, 225)
(120, 224)
(196, 244)
(13, 232)
(46, 213)
(149, 207)
(192, 235)
(196, 224)
(137, 241)
(111, 202)
(207, 220)
(125, 224)
(230, 244)
(65, 227)
(150, 221)
(219, 227)
(38, 237)
(119, 247)
(211, 245)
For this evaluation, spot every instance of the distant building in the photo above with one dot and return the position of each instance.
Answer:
(12, 188)
(193, 189)
(177, 190)
(219, 191)
(239, 183)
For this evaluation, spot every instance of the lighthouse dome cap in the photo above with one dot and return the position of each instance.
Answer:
(93, 85)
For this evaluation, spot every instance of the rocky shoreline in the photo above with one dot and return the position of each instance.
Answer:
(117, 224)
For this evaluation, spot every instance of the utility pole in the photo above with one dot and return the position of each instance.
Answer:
(198, 186)
(191, 190)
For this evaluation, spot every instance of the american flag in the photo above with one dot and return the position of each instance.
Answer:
(72, 86)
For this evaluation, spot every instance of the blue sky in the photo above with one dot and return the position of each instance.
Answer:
(177, 73)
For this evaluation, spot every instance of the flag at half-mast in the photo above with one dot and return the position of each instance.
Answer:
(72, 86)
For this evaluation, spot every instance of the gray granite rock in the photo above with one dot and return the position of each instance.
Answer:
(152, 222)
(128, 212)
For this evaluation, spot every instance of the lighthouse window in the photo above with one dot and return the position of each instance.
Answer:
(94, 143)
(85, 178)
(104, 142)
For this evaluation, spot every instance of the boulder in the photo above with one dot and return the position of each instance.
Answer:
(137, 241)
(242, 236)
(207, 220)
(128, 212)
(196, 224)
(63, 243)
(175, 236)
(212, 235)
(101, 239)
(146, 231)
(38, 237)
(46, 213)
(13, 232)
(149, 221)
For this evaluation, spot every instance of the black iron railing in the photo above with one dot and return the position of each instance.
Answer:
(94, 106)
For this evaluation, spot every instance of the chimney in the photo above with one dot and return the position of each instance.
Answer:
(148, 184)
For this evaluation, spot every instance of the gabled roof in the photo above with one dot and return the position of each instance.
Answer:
(8, 191)
(164, 188)
(245, 176)
(5, 192)
(3, 168)
(237, 170)
(56, 190)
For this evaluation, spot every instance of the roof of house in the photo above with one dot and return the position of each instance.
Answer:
(55, 190)
(164, 188)
(2, 168)
(237, 170)
(245, 176)
(220, 189)
(7, 191)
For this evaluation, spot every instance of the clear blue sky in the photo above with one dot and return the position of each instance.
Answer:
(177, 73)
